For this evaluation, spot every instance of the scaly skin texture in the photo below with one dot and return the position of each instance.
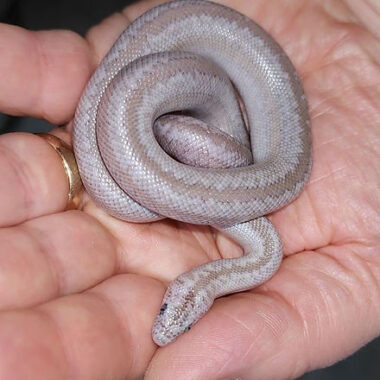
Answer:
(325, 299)
(183, 56)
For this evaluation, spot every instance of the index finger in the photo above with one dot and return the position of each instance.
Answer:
(42, 74)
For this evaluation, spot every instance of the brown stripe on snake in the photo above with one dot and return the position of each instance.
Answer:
(206, 274)
(145, 76)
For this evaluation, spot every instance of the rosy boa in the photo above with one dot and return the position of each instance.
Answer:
(191, 58)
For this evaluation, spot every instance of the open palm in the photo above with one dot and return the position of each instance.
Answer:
(79, 289)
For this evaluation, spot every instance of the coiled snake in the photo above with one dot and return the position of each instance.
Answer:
(170, 82)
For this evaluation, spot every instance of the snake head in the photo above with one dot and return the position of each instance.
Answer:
(182, 306)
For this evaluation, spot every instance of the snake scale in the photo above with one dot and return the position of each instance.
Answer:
(197, 114)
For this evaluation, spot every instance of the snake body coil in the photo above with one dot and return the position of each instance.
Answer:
(192, 56)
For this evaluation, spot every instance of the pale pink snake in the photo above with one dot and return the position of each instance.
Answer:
(183, 56)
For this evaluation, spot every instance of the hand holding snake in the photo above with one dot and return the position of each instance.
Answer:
(93, 257)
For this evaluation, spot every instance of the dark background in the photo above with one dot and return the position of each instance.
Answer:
(79, 15)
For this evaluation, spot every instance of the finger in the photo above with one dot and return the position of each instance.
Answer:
(42, 73)
(33, 179)
(311, 314)
(137, 9)
(100, 334)
(102, 36)
(53, 256)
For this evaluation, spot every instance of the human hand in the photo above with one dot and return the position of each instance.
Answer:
(80, 289)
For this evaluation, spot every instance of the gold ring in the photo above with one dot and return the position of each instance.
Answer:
(70, 166)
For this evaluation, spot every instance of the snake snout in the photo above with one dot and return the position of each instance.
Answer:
(182, 306)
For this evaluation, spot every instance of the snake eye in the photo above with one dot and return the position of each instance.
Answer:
(163, 308)
(188, 327)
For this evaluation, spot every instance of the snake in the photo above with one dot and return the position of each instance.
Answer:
(198, 115)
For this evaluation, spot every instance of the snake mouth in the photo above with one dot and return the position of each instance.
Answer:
(161, 334)
(159, 339)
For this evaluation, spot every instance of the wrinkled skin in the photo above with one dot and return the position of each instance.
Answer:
(80, 290)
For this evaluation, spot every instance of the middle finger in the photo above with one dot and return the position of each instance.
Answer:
(52, 256)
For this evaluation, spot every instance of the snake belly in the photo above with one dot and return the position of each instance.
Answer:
(174, 75)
